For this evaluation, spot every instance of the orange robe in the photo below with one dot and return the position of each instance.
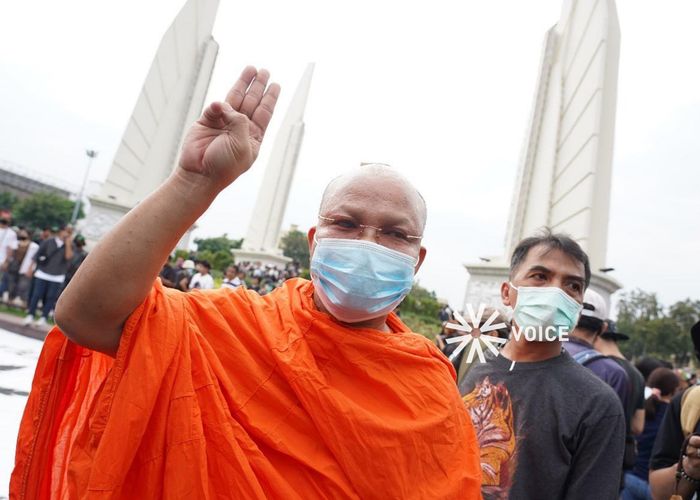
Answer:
(227, 394)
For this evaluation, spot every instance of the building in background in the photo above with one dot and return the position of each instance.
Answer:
(23, 183)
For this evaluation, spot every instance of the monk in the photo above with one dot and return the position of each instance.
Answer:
(316, 390)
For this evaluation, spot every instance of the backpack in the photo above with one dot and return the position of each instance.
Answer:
(587, 356)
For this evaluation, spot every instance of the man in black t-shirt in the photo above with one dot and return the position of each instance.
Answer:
(547, 427)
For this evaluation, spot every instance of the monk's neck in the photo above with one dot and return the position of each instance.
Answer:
(374, 323)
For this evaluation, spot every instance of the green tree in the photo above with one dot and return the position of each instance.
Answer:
(654, 331)
(218, 244)
(420, 309)
(44, 210)
(295, 245)
(218, 260)
(8, 200)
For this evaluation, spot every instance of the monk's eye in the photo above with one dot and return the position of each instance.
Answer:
(396, 234)
(345, 224)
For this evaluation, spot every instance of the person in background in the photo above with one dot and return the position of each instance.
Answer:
(231, 279)
(52, 260)
(664, 385)
(590, 326)
(202, 280)
(20, 268)
(185, 275)
(607, 344)
(79, 254)
(168, 275)
(8, 244)
(674, 467)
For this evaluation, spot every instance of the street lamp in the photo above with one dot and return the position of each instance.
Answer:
(92, 154)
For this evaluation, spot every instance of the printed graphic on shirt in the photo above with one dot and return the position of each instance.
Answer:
(491, 411)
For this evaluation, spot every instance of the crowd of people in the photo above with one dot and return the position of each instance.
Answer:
(190, 274)
(36, 265)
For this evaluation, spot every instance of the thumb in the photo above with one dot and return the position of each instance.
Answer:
(219, 115)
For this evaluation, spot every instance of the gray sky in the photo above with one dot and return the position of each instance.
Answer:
(440, 90)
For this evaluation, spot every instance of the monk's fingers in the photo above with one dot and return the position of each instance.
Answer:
(255, 93)
(218, 115)
(237, 93)
(263, 113)
(694, 441)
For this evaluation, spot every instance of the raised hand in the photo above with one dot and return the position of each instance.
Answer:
(226, 140)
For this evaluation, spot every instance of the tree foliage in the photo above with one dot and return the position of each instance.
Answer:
(654, 330)
(8, 200)
(295, 245)
(420, 311)
(44, 210)
(218, 244)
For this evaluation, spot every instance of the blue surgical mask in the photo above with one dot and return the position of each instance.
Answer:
(358, 280)
(544, 306)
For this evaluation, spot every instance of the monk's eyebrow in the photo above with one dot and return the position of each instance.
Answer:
(392, 220)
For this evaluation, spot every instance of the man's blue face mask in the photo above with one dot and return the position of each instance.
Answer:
(358, 280)
(544, 306)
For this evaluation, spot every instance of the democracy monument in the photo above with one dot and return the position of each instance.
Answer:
(563, 181)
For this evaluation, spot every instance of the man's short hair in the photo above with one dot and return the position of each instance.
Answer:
(552, 241)
(590, 324)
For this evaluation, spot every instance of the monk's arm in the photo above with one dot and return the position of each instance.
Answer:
(118, 274)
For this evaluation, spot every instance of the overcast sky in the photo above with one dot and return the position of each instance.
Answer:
(440, 90)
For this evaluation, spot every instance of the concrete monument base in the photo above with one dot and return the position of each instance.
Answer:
(265, 258)
(485, 279)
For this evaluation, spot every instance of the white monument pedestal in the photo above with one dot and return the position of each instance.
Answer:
(265, 258)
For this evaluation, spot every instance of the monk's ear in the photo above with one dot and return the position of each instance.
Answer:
(310, 236)
(421, 258)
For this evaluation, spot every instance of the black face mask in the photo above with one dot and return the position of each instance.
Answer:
(3, 222)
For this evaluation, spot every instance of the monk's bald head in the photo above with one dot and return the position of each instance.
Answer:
(376, 188)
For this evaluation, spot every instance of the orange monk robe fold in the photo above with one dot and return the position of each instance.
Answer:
(227, 394)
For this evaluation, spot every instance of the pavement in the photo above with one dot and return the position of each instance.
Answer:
(18, 357)
(14, 324)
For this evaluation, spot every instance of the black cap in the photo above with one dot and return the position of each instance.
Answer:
(612, 334)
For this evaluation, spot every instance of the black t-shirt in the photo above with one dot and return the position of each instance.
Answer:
(667, 447)
(547, 429)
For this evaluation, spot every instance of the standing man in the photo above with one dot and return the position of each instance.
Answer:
(51, 265)
(202, 279)
(547, 427)
(316, 390)
(607, 344)
(8, 244)
(590, 326)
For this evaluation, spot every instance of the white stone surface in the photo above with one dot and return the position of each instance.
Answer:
(170, 100)
(565, 167)
(18, 358)
(266, 222)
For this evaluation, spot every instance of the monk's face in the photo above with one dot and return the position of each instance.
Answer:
(391, 211)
